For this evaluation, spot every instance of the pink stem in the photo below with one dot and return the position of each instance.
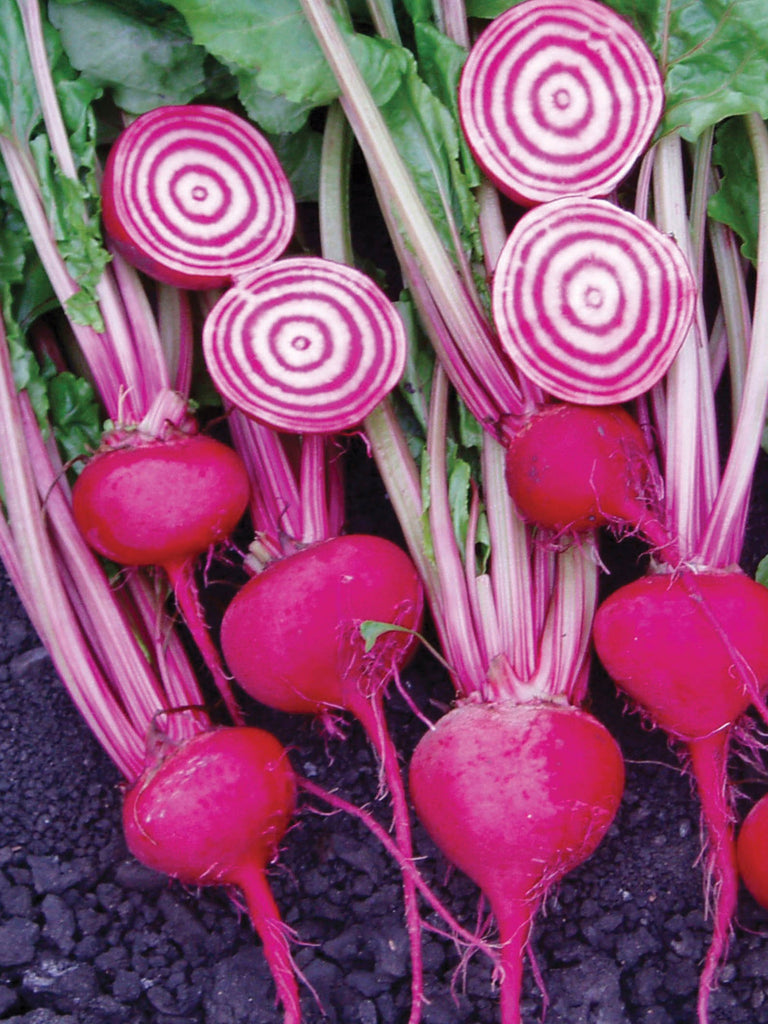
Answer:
(109, 633)
(127, 297)
(49, 607)
(106, 371)
(314, 510)
(457, 631)
(336, 497)
(275, 501)
(511, 567)
(173, 666)
(727, 518)
(182, 577)
(177, 335)
(369, 711)
(266, 920)
(514, 922)
(709, 757)
(405, 863)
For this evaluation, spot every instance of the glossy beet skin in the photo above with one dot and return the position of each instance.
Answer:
(691, 649)
(160, 502)
(752, 851)
(572, 468)
(516, 796)
(291, 636)
(213, 812)
(213, 808)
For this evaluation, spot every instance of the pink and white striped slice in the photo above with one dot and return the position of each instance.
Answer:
(559, 97)
(591, 302)
(195, 196)
(306, 345)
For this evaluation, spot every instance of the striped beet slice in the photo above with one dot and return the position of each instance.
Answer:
(559, 97)
(195, 196)
(590, 301)
(305, 345)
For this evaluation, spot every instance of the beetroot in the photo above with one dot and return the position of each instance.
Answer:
(292, 639)
(306, 345)
(591, 302)
(194, 196)
(751, 846)
(559, 97)
(160, 502)
(690, 650)
(213, 812)
(153, 502)
(571, 468)
(291, 635)
(516, 796)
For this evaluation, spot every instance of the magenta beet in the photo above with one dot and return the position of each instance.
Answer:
(690, 651)
(164, 503)
(516, 796)
(213, 812)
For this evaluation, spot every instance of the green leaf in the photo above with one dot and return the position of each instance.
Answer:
(75, 414)
(713, 53)
(71, 206)
(440, 64)
(459, 492)
(19, 105)
(269, 37)
(736, 202)
(487, 9)
(145, 65)
(273, 113)
(427, 136)
(416, 383)
(299, 156)
(420, 10)
(762, 571)
(371, 630)
(471, 434)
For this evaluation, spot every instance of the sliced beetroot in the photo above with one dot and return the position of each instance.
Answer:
(306, 345)
(559, 97)
(590, 301)
(195, 196)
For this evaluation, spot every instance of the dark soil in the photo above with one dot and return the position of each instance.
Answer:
(88, 936)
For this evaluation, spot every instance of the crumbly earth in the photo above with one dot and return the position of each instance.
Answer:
(88, 936)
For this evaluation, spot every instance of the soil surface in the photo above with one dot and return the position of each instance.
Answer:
(88, 936)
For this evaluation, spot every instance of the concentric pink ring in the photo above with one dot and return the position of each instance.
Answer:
(305, 345)
(591, 302)
(195, 196)
(559, 97)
